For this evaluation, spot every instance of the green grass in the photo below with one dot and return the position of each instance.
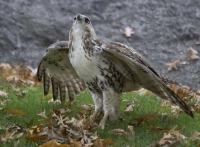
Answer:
(34, 102)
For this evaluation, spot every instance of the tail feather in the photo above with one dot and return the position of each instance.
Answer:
(164, 92)
(168, 80)
(159, 87)
(175, 99)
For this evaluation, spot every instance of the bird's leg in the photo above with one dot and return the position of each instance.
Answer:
(98, 101)
(111, 106)
(103, 121)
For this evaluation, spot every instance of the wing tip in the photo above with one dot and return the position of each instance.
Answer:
(190, 113)
(46, 92)
(40, 72)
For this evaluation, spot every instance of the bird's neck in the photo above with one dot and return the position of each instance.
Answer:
(77, 34)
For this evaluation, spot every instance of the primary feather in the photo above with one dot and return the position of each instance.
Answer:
(56, 68)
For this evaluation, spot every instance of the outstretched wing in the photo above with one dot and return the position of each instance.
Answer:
(56, 68)
(142, 73)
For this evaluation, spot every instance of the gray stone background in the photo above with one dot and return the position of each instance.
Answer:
(163, 29)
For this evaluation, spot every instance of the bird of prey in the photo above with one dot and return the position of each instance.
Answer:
(106, 69)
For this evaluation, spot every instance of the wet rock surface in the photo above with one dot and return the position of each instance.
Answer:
(163, 30)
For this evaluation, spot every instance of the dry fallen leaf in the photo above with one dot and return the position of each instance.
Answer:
(3, 103)
(107, 142)
(175, 110)
(98, 142)
(179, 136)
(103, 143)
(8, 135)
(3, 94)
(174, 64)
(35, 129)
(15, 111)
(198, 41)
(33, 71)
(167, 139)
(143, 91)
(17, 143)
(34, 138)
(18, 135)
(4, 67)
(47, 120)
(130, 107)
(165, 129)
(132, 131)
(193, 54)
(195, 136)
(73, 128)
(53, 143)
(145, 119)
(19, 74)
(120, 132)
(42, 114)
(86, 110)
(75, 143)
(170, 138)
(128, 32)
(192, 51)
(184, 92)
(193, 57)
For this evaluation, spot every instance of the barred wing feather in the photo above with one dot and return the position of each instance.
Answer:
(143, 74)
(55, 68)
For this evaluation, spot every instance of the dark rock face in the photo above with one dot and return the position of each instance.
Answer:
(164, 30)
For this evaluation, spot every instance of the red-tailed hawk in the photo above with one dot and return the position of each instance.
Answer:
(106, 68)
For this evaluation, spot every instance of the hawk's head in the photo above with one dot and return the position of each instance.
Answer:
(82, 28)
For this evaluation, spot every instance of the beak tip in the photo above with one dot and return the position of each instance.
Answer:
(78, 16)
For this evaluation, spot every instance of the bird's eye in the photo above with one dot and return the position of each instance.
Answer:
(87, 20)
(74, 18)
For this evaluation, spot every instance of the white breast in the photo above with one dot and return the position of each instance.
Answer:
(85, 68)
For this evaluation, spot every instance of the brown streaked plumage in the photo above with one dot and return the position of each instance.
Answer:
(108, 69)
(112, 68)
